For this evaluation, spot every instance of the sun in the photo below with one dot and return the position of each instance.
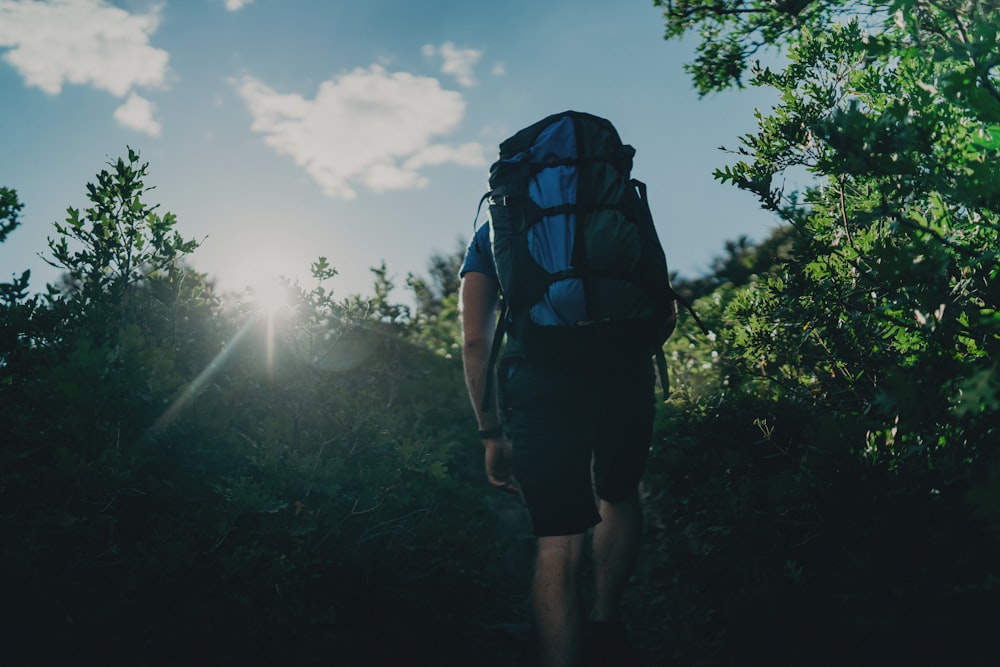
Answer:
(270, 295)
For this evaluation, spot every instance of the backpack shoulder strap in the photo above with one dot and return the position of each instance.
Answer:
(494, 355)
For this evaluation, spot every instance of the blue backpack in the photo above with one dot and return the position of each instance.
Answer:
(582, 272)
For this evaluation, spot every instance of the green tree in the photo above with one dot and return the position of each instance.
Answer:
(117, 243)
(442, 280)
(10, 210)
(284, 485)
(436, 322)
(13, 292)
(859, 372)
(743, 261)
(893, 283)
(87, 367)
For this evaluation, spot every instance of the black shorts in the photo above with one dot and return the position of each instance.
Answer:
(577, 432)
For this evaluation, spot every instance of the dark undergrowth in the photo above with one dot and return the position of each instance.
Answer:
(748, 559)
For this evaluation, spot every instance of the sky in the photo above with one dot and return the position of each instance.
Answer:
(357, 130)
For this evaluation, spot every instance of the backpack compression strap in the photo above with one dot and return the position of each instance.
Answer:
(661, 367)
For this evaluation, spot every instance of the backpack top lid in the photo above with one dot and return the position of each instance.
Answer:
(604, 139)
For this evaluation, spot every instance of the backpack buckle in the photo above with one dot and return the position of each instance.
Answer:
(502, 200)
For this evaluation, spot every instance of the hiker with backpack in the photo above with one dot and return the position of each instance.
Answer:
(571, 259)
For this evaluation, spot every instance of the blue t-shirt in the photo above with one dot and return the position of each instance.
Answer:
(479, 254)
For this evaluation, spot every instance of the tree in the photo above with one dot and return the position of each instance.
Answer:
(10, 211)
(443, 280)
(436, 322)
(866, 359)
(278, 485)
(743, 262)
(894, 117)
(118, 242)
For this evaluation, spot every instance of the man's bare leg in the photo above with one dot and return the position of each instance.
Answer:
(556, 599)
(615, 546)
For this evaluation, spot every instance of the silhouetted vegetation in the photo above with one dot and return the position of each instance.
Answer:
(193, 479)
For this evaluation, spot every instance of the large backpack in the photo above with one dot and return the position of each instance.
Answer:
(582, 272)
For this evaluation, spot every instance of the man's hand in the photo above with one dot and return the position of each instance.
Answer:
(498, 456)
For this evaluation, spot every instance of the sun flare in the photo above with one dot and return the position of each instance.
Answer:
(270, 295)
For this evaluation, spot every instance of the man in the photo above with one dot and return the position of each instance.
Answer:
(574, 430)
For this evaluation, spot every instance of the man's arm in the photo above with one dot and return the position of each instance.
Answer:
(478, 307)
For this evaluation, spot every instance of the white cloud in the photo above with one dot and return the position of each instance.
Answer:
(499, 69)
(459, 63)
(83, 42)
(237, 5)
(469, 154)
(368, 128)
(137, 114)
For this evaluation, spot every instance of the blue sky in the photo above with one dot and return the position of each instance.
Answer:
(358, 130)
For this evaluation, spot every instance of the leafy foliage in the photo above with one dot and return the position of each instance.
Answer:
(182, 469)
(10, 209)
(852, 378)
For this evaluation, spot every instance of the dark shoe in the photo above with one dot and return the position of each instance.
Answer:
(606, 644)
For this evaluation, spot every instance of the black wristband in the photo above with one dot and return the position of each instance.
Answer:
(490, 433)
